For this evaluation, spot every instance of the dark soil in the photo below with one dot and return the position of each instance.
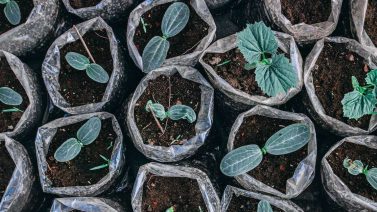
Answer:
(75, 86)
(8, 121)
(274, 170)
(245, 204)
(182, 92)
(357, 184)
(370, 21)
(26, 6)
(332, 80)
(77, 4)
(183, 43)
(306, 11)
(6, 168)
(161, 193)
(76, 172)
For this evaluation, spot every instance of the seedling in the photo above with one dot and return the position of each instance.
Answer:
(171, 209)
(12, 11)
(246, 158)
(273, 74)
(264, 206)
(10, 97)
(102, 166)
(175, 113)
(356, 167)
(144, 24)
(174, 21)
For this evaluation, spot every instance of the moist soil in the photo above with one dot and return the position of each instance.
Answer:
(246, 204)
(306, 11)
(183, 43)
(75, 86)
(161, 193)
(370, 21)
(26, 6)
(274, 170)
(9, 120)
(76, 172)
(357, 184)
(182, 92)
(77, 4)
(6, 168)
(332, 80)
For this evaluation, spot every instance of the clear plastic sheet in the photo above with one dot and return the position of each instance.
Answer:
(315, 108)
(209, 194)
(44, 138)
(51, 69)
(89, 204)
(188, 59)
(215, 4)
(304, 172)
(336, 189)
(34, 32)
(203, 122)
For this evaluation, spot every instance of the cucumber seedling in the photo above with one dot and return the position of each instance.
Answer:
(10, 97)
(356, 167)
(11, 11)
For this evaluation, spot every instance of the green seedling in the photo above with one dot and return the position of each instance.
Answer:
(223, 63)
(144, 24)
(171, 209)
(176, 112)
(102, 166)
(12, 11)
(356, 167)
(10, 97)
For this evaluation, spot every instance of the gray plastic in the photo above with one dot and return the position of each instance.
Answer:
(304, 172)
(187, 59)
(209, 194)
(336, 189)
(51, 69)
(89, 204)
(42, 142)
(316, 109)
(203, 123)
(215, 4)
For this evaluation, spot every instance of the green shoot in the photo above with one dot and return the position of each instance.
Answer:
(356, 167)
(109, 147)
(12, 110)
(176, 112)
(223, 63)
(102, 166)
(144, 24)
(171, 209)
(12, 11)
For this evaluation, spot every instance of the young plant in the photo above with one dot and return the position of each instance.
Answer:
(175, 112)
(356, 167)
(273, 72)
(246, 158)
(86, 135)
(144, 24)
(174, 21)
(102, 166)
(12, 11)
(264, 206)
(10, 97)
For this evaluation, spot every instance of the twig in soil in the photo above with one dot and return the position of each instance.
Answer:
(191, 48)
(83, 43)
(157, 122)
(223, 63)
(166, 123)
(101, 36)
(146, 126)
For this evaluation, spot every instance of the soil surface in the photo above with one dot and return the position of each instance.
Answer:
(9, 120)
(182, 92)
(183, 43)
(75, 86)
(274, 170)
(246, 204)
(370, 21)
(77, 4)
(306, 11)
(161, 193)
(76, 172)
(357, 184)
(6, 168)
(26, 6)
(332, 80)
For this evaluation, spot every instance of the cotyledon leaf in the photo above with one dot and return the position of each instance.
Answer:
(97, 73)
(77, 61)
(355, 167)
(89, 131)
(264, 206)
(372, 177)
(178, 112)
(68, 150)
(12, 12)
(155, 53)
(10, 97)
(175, 19)
(157, 108)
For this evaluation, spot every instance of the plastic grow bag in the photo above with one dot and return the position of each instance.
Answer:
(336, 189)
(51, 69)
(43, 140)
(187, 59)
(203, 122)
(209, 194)
(215, 4)
(91, 204)
(315, 108)
(304, 172)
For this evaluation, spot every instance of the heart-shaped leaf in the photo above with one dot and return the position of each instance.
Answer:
(12, 12)
(68, 150)
(77, 61)
(371, 78)
(97, 73)
(357, 105)
(10, 97)
(175, 19)
(157, 108)
(372, 177)
(89, 131)
(178, 112)
(264, 206)
(155, 53)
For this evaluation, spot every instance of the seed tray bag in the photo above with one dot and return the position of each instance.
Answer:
(336, 189)
(43, 140)
(215, 4)
(209, 194)
(18, 195)
(315, 107)
(203, 122)
(85, 204)
(188, 59)
(305, 171)
(32, 115)
(51, 69)
(34, 32)
(239, 99)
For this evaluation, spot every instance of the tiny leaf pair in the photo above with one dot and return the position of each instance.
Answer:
(356, 167)
(12, 11)
(176, 112)
(10, 97)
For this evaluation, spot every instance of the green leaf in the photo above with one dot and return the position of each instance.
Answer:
(68, 150)
(354, 167)
(10, 97)
(89, 131)
(155, 53)
(178, 112)
(264, 206)
(241, 160)
(171, 209)
(11, 110)
(4, 1)
(175, 19)
(371, 77)
(357, 105)
(12, 12)
(372, 177)
(99, 167)
(158, 109)
(97, 73)
(77, 61)
(250, 66)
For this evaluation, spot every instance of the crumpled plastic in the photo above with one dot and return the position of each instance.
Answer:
(93, 204)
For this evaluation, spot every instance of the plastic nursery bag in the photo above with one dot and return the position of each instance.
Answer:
(316, 109)
(305, 171)
(203, 122)
(215, 4)
(336, 189)
(34, 112)
(34, 32)
(51, 69)
(18, 193)
(42, 142)
(187, 59)
(85, 204)
(209, 194)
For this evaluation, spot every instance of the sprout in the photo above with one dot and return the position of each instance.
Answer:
(176, 112)
(264, 206)
(356, 167)
(171, 209)
(102, 166)
(12, 11)
(10, 97)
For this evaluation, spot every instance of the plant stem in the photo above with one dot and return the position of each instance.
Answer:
(157, 122)
(166, 123)
(83, 43)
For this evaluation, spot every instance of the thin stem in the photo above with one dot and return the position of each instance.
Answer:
(166, 123)
(83, 43)
(157, 122)
(192, 47)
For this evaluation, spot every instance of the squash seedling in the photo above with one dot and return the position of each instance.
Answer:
(356, 167)
(12, 11)
(246, 158)
(10, 97)
(264, 206)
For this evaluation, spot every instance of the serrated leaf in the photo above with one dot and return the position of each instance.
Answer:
(372, 177)
(355, 167)
(12, 12)
(178, 112)
(241, 160)
(97, 73)
(10, 97)
(175, 19)
(264, 206)
(157, 108)
(357, 105)
(89, 131)
(155, 53)
(77, 61)
(371, 77)
(68, 150)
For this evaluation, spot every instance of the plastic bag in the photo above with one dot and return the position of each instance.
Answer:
(42, 142)
(188, 59)
(202, 126)
(51, 69)
(215, 4)
(336, 189)
(305, 171)
(92, 204)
